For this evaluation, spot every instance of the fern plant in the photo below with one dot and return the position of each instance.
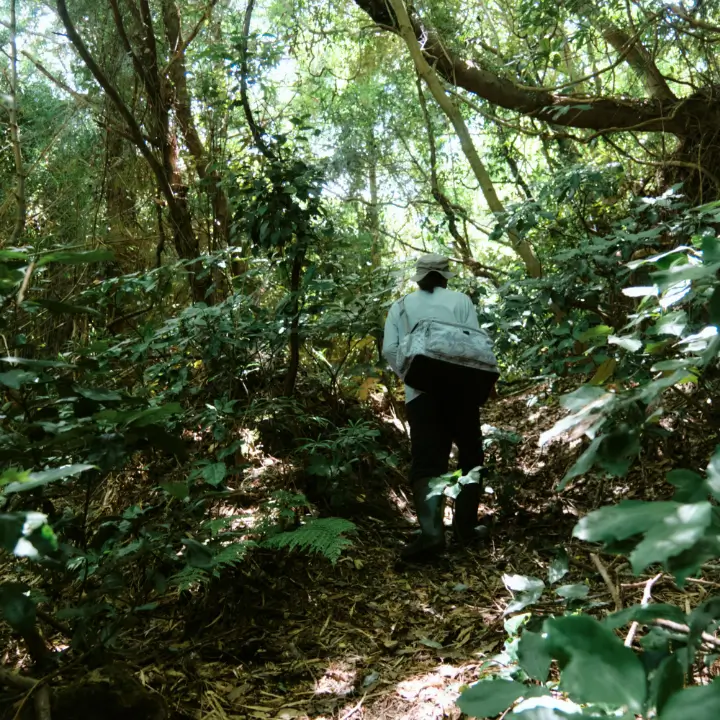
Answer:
(320, 535)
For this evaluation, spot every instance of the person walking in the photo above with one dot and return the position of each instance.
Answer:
(437, 419)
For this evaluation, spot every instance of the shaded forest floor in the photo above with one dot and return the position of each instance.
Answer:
(287, 636)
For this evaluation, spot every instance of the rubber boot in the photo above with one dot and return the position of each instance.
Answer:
(465, 519)
(429, 510)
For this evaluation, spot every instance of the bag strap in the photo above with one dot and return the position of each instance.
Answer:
(403, 311)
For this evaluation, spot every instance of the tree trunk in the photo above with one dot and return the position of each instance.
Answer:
(177, 72)
(20, 199)
(295, 287)
(520, 245)
(373, 211)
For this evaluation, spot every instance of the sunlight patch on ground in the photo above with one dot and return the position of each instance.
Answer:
(339, 679)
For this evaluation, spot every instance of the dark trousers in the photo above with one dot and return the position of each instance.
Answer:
(436, 422)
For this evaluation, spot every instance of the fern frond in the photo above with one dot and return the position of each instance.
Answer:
(231, 554)
(320, 535)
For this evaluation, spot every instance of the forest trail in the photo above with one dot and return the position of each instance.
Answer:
(292, 637)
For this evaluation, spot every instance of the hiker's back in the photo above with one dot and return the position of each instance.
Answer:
(441, 304)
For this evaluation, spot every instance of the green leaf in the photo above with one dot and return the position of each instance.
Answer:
(17, 608)
(627, 343)
(619, 522)
(668, 679)
(713, 474)
(15, 379)
(696, 703)
(559, 567)
(197, 555)
(595, 666)
(37, 479)
(675, 533)
(178, 490)
(81, 257)
(61, 308)
(595, 332)
(489, 698)
(214, 473)
(150, 416)
(526, 590)
(583, 463)
(644, 614)
(714, 307)
(690, 487)
(533, 656)
(573, 592)
(97, 394)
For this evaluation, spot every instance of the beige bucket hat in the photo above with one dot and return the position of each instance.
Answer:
(432, 263)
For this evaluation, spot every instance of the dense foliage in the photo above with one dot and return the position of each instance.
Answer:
(206, 210)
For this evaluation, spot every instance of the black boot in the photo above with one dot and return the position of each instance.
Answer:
(429, 512)
(465, 519)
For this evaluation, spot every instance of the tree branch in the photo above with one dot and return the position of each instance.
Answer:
(595, 113)
(521, 246)
(255, 129)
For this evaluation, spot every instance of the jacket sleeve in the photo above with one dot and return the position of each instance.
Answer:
(391, 339)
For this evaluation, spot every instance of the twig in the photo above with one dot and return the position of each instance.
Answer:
(608, 581)
(25, 284)
(707, 638)
(647, 594)
(354, 709)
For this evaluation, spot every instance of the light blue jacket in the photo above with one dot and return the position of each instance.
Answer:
(442, 304)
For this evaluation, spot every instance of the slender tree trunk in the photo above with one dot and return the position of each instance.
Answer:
(20, 200)
(183, 111)
(295, 287)
(521, 246)
(373, 211)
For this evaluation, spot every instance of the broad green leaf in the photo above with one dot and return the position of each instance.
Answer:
(713, 474)
(583, 463)
(695, 703)
(619, 522)
(61, 308)
(214, 473)
(690, 487)
(627, 343)
(489, 698)
(595, 665)
(13, 475)
(80, 257)
(604, 372)
(668, 679)
(97, 394)
(645, 614)
(36, 363)
(197, 555)
(533, 656)
(559, 567)
(526, 590)
(676, 532)
(573, 592)
(15, 379)
(714, 307)
(582, 397)
(16, 607)
(37, 479)
(554, 708)
(595, 332)
(178, 490)
(150, 416)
